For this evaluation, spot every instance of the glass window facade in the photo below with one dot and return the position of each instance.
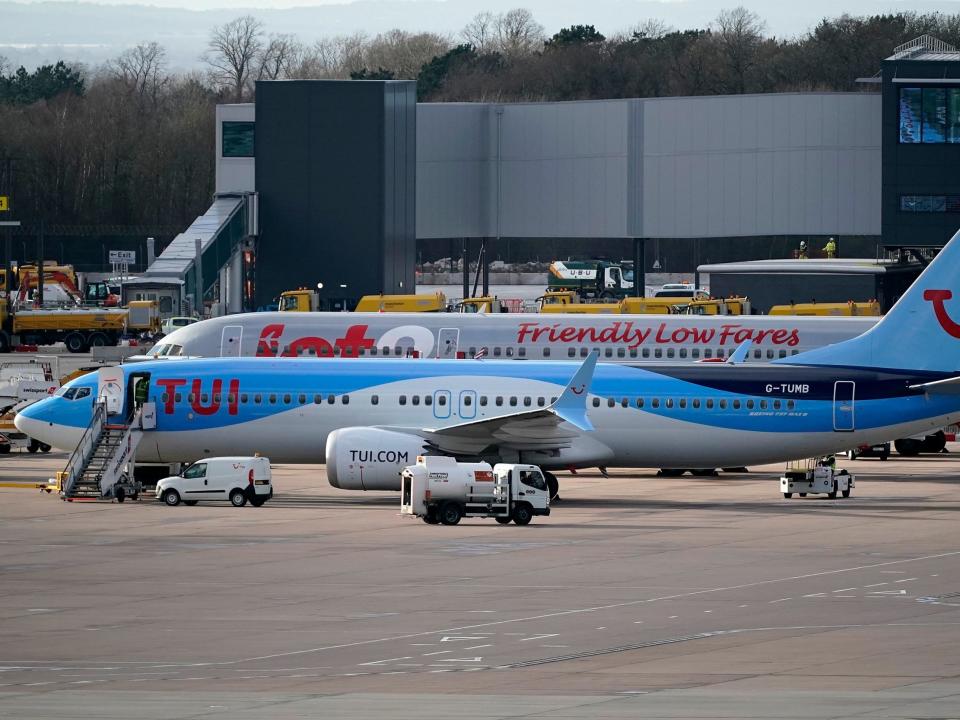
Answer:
(929, 115)
(237, 139)
(930, 203)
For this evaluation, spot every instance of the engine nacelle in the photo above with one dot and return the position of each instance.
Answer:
(369, 459)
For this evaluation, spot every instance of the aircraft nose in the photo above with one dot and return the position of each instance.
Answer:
(33, 421)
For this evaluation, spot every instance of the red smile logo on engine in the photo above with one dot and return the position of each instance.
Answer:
(937, 297)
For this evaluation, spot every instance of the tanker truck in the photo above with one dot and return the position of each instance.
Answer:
(439, 489)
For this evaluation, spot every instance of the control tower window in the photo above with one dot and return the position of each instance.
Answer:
(237, 139)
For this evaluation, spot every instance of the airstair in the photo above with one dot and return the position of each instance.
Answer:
(101, 467)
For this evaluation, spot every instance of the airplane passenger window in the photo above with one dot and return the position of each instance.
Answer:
(791, 404)
(428, 400)
(385, 351)
(646, 352)
(749, 404)
(621, 352)
(363, 351)
(608, 352)
(658, 352)
(709, 403)
(546, 352)
(668, 403)
(467, 401)
(596, 402)
(655, 403)
(441, 400)
(571, 352)
(776, 404)
(287, 399)
(509, 351)
(483, 401)
(769, 354)
(695, 352)
(178, 398)
(216, 398)
(669, 352)
(302, 399)
(723, 404)
(639, 402)
(243, 398)
(611, 402)
(403, 399)
(633, 352)
(513, 401)
(527, 401)
(398, 351)
(683, 352)
(719, 352)
(683, 402)
(331, 399)
(258, 399)
(231, 398)
(708, 353)
(541, 401)
(758, 354)
(472, 351)
(496, 352)
(584, 352)
(696, 404)
(782, 353)
(763, 404)
(374, 399)
(522, 352)
(273, 399)
(164, 397)
(499, 400)
(794, 352)
(736, 404)
(415, 400)
(190, 398)
(624, 402)
(345, 399)
(317, 399)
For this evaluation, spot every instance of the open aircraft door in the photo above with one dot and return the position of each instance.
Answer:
(230, 341)
(843, 405)
(111, 390)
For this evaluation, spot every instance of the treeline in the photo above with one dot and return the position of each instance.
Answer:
(130, 144)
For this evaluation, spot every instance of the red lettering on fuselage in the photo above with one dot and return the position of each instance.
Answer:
(353, 341)
(170, 386)
(197, 397)
(625, 332)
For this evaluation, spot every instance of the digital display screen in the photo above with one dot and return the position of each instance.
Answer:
(910, 104)
(934, 115)
(237, 139)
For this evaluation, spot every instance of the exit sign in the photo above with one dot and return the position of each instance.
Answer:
(4, 203)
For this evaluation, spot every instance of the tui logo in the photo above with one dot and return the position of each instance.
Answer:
(937, 297)
(577, 391)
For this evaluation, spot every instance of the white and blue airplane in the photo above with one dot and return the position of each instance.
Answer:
(368, 418)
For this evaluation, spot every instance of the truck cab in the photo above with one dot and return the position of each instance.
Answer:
(299, 300)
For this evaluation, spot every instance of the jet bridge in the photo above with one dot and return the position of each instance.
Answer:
(205, 262)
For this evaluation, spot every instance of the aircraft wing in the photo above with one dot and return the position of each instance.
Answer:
(546, 428)
(948, 386)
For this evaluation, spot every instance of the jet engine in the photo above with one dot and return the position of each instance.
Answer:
(360, 458)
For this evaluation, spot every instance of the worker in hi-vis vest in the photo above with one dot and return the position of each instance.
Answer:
(830, 248)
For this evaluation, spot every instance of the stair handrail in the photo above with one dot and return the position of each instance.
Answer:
(85, 448)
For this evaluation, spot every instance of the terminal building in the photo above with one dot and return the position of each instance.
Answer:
(343, 186)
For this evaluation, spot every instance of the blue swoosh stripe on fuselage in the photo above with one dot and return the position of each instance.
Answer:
(881, 398)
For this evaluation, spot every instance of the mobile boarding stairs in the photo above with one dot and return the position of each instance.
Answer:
(101, 467)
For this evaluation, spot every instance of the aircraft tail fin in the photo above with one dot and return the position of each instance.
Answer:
(921, 332)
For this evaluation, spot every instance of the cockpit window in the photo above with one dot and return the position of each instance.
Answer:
(166, 349)
(82, 393)
(68, 393)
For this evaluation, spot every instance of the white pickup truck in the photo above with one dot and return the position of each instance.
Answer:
(441, 490)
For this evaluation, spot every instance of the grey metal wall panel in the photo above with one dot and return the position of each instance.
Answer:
(788, 164)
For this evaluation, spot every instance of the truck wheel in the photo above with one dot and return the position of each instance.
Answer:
(788, 495)
(908, 447)
(33, 446)
(238, 498)
(522, 514)
(503, 520)
(171, 498)
(4, 449)
(75, 343)
(120, 494)
(845, 493)
(553, 485)
(450, 513)
(98, 339)
(44, 448)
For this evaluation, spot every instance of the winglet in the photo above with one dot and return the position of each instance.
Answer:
(572, 403)
(740, 354)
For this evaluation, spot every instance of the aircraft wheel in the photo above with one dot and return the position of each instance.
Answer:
(788, 495)
(803, 494)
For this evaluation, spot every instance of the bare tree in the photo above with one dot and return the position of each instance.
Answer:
(403, 53)
(740, 35)
(279, 57)
(233, 52)
(143, 69)
(481, 33)
(518, 32)
(5, 66)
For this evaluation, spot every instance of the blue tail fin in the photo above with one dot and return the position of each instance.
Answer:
(921, 332)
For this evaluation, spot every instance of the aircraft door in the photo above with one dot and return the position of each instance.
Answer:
(468, 404)
(441, 404)
(230, 341)
(111, 390)
(843, 405)
(447, 342)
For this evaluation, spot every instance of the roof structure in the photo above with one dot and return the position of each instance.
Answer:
(926, 48)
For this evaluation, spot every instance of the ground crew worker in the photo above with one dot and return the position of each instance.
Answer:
(831, 249)
(802, 255)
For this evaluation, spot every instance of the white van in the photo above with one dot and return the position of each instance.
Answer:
(237, 479)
